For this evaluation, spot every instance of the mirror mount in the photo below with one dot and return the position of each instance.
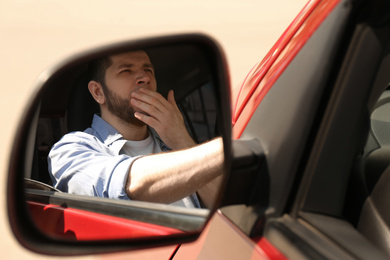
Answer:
(246, 196)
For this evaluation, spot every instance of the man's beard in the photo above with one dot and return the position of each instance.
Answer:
(121, 108)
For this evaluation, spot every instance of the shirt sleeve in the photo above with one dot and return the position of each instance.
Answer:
(79, 163)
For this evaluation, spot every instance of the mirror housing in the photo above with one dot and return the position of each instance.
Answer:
(22, 154)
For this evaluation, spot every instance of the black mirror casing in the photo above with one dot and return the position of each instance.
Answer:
(21, 156)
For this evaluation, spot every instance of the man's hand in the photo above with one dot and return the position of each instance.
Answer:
(162, 115)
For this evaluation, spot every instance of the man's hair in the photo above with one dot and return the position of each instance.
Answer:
(97, 69)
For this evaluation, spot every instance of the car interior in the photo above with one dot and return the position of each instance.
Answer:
(371, 178)
(365, 202)
(367, 198)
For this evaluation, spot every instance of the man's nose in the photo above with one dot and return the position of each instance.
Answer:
(143, 78)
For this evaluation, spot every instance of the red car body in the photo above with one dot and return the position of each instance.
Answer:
(259, 81)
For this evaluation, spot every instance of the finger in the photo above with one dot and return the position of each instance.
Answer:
(150, 97)
(146, 108)
(171, 98)
(156, 100)
(154, 123)
(150, 121)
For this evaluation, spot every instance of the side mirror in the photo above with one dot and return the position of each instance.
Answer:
(49, 221)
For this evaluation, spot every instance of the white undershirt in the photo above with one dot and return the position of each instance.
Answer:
(143, 147)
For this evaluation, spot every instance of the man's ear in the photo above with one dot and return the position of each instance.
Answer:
(96, 90)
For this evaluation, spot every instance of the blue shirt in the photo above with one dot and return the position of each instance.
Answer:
(92, 163)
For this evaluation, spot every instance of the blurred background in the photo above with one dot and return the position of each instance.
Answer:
(38, 33)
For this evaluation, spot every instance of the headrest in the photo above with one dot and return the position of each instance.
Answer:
(81, 106)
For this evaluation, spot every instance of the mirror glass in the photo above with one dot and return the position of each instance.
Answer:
(58, 202)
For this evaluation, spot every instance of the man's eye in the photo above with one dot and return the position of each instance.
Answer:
(125, 71)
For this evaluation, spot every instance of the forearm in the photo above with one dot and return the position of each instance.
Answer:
(169, 177)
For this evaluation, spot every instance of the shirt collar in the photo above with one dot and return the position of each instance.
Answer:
(107, 133)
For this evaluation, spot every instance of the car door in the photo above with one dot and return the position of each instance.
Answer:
(305, 111)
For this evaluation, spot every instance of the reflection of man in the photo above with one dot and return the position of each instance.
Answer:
(109, 158)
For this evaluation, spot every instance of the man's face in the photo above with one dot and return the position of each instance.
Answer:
(128, 72)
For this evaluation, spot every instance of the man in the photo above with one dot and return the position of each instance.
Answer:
(120, 157)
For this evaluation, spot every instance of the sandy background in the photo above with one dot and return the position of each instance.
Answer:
(36, 34)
